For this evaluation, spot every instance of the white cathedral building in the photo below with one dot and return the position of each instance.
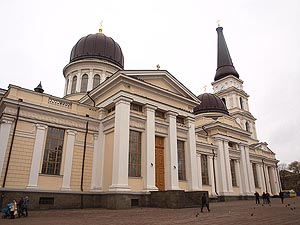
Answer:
(120, 138)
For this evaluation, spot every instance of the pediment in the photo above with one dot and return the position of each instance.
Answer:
(163, 80)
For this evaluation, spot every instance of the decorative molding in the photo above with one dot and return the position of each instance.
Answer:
(59, 102)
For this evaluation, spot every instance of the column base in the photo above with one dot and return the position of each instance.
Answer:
(96, 189)
(65, 189)
(31, 187)
(148, 189)
(119, 188)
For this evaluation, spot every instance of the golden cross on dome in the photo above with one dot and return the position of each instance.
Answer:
(204, 88)
(218, 22)
(100, 27)
(158, 66)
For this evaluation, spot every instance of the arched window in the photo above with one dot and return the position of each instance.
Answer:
(224, 100)
(74, 82)
(96, 80)
(247, 126)
(84, 83)
(241, 102)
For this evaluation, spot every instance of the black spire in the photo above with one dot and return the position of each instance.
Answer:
(39, 88)
(225, 65)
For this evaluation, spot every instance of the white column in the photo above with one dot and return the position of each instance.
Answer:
(90, 80)
(267, 179)
(239, 178)
(199, 171)
(259, 179)
(78, 84)
(66, 86)
(191, 159)
(250, 171)
(70, 79)
(5, 127)
(37, 156)
(221, 168)
(273, 182)
(149, 179)
(244, 170)
(262, 178)
(234, 101)
(66, 183)
(98, 156)
(227, 167)
(173, 157)
(121, 145)
(211, 175)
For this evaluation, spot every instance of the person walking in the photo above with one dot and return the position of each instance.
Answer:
(257, 198)
(20, 206)
(264, 197)
(281, 195)
(268, 198)
(25, 205)
(204, 202)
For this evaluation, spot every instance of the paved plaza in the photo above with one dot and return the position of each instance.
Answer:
(235, 213)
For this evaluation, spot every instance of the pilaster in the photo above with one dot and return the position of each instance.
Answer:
(66, 183)
(149, 179)
(199, 171)
(211, 175)
(191, 142)
(37, 156)
(98, 156)
(173, 158)
(5, 127)
(121, 145)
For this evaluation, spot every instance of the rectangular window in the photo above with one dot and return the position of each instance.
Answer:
(181, 160)
(136, 107)
(255, 175)
(233, 175)
(204, 170)
(134, 161)
(53, 151)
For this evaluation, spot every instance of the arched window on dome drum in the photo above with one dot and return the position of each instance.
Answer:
(247, 126)
(73, 87)
(224, 100)
(84, 83)
(96, 80)
(241, 102)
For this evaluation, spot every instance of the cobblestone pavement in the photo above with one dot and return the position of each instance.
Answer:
(236, 212)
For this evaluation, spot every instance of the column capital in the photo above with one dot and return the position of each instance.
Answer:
(171, 114)
(122, 99)
(190, 119)
(41, 126)
(71, 132)
(7, 120)
(150, 107)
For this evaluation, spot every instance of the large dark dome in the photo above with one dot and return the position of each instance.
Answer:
(98, 46)
(210, 103)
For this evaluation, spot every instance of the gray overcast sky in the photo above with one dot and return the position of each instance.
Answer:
(263, 39)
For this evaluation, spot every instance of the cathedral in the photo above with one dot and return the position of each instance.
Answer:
(121, 138)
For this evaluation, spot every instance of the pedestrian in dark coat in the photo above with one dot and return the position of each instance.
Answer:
(204, 202)
(281, 195)
(25, 205)
(268, 198)
(257, 198)
(264, 198)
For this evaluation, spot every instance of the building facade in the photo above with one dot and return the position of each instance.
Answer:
(128, 133)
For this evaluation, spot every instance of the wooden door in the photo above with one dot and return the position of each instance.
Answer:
(159, 163)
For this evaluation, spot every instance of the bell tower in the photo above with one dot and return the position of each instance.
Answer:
(229, 87)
